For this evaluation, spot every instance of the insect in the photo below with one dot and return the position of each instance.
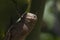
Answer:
(21, 29)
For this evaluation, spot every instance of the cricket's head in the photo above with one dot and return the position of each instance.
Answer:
(30, 17)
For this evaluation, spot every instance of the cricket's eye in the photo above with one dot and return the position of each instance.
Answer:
(34, 16)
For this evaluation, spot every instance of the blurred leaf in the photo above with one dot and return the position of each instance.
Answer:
(46, 36)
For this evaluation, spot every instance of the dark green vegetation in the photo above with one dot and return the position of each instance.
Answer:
(8, 13)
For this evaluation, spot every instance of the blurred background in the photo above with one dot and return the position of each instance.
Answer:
(50, 29)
